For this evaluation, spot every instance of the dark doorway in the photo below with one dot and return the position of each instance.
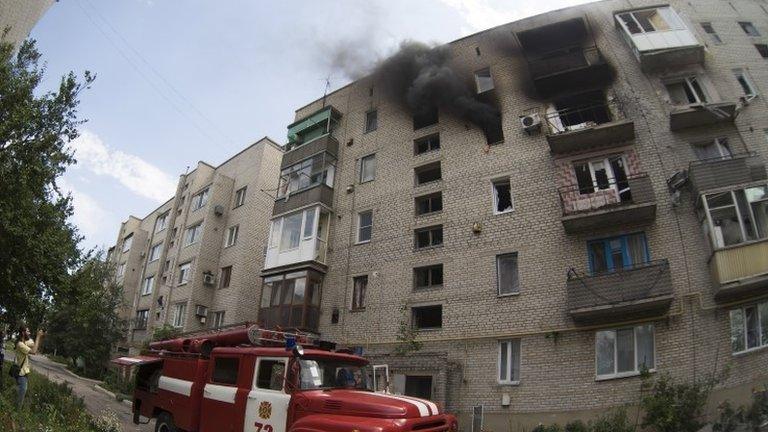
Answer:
(419, 386)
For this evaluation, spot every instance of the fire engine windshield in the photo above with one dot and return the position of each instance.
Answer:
(324, 374)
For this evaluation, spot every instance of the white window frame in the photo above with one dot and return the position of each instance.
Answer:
(240, 196)
(179, 314)
(478, 88)
(762, 342)
(161, 222)
(722, 146)
(218, 319)
(687, 82)
(710, 226)
(750, 29)
(606, 162)
(184, 271)
(371, 158)
(121, 270)
(200, 199)
(155, 252)
(667, 13)
(495, 194)
(714, 35)
(127, 243)
(742, 73)
(498, 274)
(636, 370)
(360, 227)
(195, 231)
(232, 233)
(507, 344)
(147, 285)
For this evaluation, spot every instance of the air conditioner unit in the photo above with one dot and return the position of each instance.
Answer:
(218, 210)
(677, 180)
(209, 278)
(201, 311)
(530, 122)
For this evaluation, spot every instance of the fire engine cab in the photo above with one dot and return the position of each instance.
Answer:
(249, 379)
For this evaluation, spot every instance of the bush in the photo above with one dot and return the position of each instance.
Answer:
(675, 407)
(614, 421)
(743, 418)
(118, 384)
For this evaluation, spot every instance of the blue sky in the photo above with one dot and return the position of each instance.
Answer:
(182, 81)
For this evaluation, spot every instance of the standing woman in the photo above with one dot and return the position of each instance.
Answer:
(25, 347)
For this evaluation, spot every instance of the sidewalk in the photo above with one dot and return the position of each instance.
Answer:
(96, 401)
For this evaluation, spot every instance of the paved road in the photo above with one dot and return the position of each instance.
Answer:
(96, 401)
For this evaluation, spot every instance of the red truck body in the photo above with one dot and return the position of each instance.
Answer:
(247, 388)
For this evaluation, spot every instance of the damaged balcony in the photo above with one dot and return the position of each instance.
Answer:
(635, 292)
(607, 203)
(740, 271)
(562, 58)
(702, 114)
(574, 128)
(725, 171)
(659, 38)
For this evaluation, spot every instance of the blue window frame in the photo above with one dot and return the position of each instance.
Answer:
(615, 253)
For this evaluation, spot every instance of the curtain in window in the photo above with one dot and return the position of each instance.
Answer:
(636, 247)
(737, 330)
(753, 330)
(645, 349)
(606, 341)
(625, 350)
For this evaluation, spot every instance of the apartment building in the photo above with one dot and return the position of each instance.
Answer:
(19, 17)
(193, 263)
(613, 216)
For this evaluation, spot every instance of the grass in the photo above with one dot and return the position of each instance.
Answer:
(58, 359)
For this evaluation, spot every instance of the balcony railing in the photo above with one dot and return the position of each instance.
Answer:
(582, 128)
(637, 291)
(740, 271)
(725, 171)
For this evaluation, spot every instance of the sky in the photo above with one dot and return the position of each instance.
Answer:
(183, 81)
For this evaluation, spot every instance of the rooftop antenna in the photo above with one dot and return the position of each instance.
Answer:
(327, 87)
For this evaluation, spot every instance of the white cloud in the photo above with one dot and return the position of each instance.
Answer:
(88, 216)
(133, 172)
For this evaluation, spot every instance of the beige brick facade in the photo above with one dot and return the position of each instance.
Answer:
(20, 16)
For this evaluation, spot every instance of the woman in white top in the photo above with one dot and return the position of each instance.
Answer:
(25, 347)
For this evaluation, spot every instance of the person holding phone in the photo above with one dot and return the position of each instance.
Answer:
(24, 348)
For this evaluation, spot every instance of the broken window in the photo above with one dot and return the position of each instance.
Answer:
(426, 144)
(578, 112)
(367, 168)
(483, 80)
(428, 276)
(507, 278)
(502, 196)
(429, 203)
(708, 29)
(425, 117)
(648, 21)
(359, 286)
(717, 148)
(371, 121)
(749, 28)
(428, 173)
(686, 91)
(492, 130)
(427, 317)
(744, 82)
(604, 173)
(429, 237)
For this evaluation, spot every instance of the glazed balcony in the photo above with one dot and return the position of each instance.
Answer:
(312, 127)
(608, 204)
(704, 114)
(723, 172)
(322, 144)
(740, 271)
(581, 129)
(637, 292)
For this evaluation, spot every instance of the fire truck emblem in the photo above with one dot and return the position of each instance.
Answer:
(265, 410)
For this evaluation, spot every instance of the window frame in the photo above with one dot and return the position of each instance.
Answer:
(200, 199)
(430, 140)
(420, 307)
(429, 229)
(495, 195)
(360, 227)
(127, 243)
(143, 322)
(231, 239)
(371, 125)
(430, 283)
(196, 231)
(741, 75)
(672, 26)
(240, 197)
(120, 272)
(762, 49)
(358, 295)
(713, 33)
(369, 158)
(255, 386)
(430, 197)
(687, 82)
(228, 271)
(157, 247)
(427, 167)
(179, 314)
(762, 338)
(626, 260)
(237, 372)
(749, 28)
(218, 319)
(498, 274)
(164, 218)
(147, 285)
(508, 343)
(184, 270)
(636, 370)
(478, 89)
(709, 224)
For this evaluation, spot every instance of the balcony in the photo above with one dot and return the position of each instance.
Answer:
(291, 301)
(322, 144)
(316, 193)
(718, 173)
(702, 115)
(299, 239)
(580, 129)
(637, 292)
(740, 271)
(659, 38)
(320, 123)
(630, 201)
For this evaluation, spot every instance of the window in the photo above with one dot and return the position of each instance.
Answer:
(218, 319)
(717, 148)
(240, 196)
(271, 374)
(428, 276)
(192, 234)
(734, 217)
(161, 222)
(749, 327)
(127, 242)
(179, 314)
(509, 361)
(367, 168)
(427, 173)
(744, 82)
(624, 351)
(650, 20)
(199, 200)
(226, 277)
(364, 226)
(371, 121)
(166, 266)
(291, 300)
(154, 252)
(502, 196)
(359, 286)
(311, 172)
(494, 134)
(141, 319)
(146, 288)
(507, 279)
(121, 270)
(686, 91)
(602, 174)
(429, 237)
(427, 204)
(426, 144)
(708, 29)
(232, 235)
(483, 80)
(616, 253)
(289, 231)
(749, 28)
(225, 370)
(427, 317)
(762, 49)
(184, 273)
(426, 117)
(309, 223)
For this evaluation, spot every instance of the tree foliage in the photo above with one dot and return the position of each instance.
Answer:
(38, 245)
(672, 406)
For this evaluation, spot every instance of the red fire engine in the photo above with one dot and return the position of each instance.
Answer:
(254, 380)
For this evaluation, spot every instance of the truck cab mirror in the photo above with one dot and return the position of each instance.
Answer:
(298, 351)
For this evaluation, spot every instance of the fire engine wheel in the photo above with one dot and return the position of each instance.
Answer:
(165, 423)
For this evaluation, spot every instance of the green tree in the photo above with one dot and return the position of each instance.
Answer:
(38, 245)
(672, 406)
(87, 325)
